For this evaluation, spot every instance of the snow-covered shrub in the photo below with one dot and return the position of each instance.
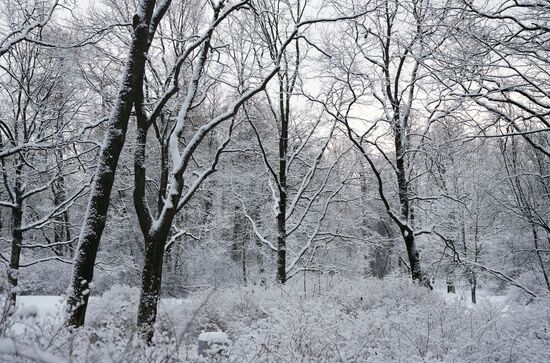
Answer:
(349, 320)
(116, 309)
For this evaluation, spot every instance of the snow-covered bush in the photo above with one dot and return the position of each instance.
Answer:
(349, 320)
(116, 308)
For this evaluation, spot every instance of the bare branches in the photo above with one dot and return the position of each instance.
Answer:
(23, 32)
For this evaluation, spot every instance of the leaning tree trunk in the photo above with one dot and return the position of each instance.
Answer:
(98, 203)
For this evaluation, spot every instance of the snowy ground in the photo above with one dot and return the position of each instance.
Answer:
(45, 309)
(463, 296)
(349, 321)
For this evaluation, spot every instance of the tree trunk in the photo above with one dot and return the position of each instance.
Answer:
(541, 261)
(259, 256)
(364, 224)
(281, 229)
(151, 280)
(98, 203)
(414, 256)
(67, 225)
(16, 241)
(240, 237)
(403, 185)
(59, 227)
(451, 288)
(243, 260)
(151, 277)
(281, 215)
(473, 288)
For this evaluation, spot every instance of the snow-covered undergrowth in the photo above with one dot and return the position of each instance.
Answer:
(388, 320)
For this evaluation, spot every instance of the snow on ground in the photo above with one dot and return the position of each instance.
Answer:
(463, 295)
(50, 307)
(46, 306)
(348, 320)
(41, 309)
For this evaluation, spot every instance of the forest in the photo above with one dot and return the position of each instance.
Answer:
(275, 181)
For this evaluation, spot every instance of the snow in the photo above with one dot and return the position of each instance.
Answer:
(40, 308)
(463, 296)
(44, 306)
(28, 311)
(9, 347)
(395, 318)
(214, 337)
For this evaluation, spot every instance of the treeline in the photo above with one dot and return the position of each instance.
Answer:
(175, 144)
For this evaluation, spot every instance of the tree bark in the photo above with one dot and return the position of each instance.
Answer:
(16, 242)
(243, 261)
(473, 287)
(403, 185)
(281, 215)
(259, 256)
(98, 203)
(16, 239)
(60, 228)
(151, 281)
(541, 261)
(414, 257)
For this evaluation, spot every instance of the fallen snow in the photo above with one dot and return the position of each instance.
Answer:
(463, 295)
(9, 347)
(214, 337)
(40, 308)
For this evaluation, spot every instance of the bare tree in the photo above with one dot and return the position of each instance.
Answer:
(39, 108)
(145, 23)
(156, 230)
(35, 15)
(384, 63)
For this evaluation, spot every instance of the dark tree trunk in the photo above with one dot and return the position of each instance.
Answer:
(364, 224)
(151, 278)
(281, 214)
(151, 281)
(60, 226)
(259, 256)
(403, 185)
(473, 288)
(163, 177)
(281, 228)
(240, 237)
(414, 256)
(67, 225)
(539, 255)
(243, 261)
(16, 241)
(98, 203)
(451, 288)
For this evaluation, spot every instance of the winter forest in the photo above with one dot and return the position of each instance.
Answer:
(275, 180)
